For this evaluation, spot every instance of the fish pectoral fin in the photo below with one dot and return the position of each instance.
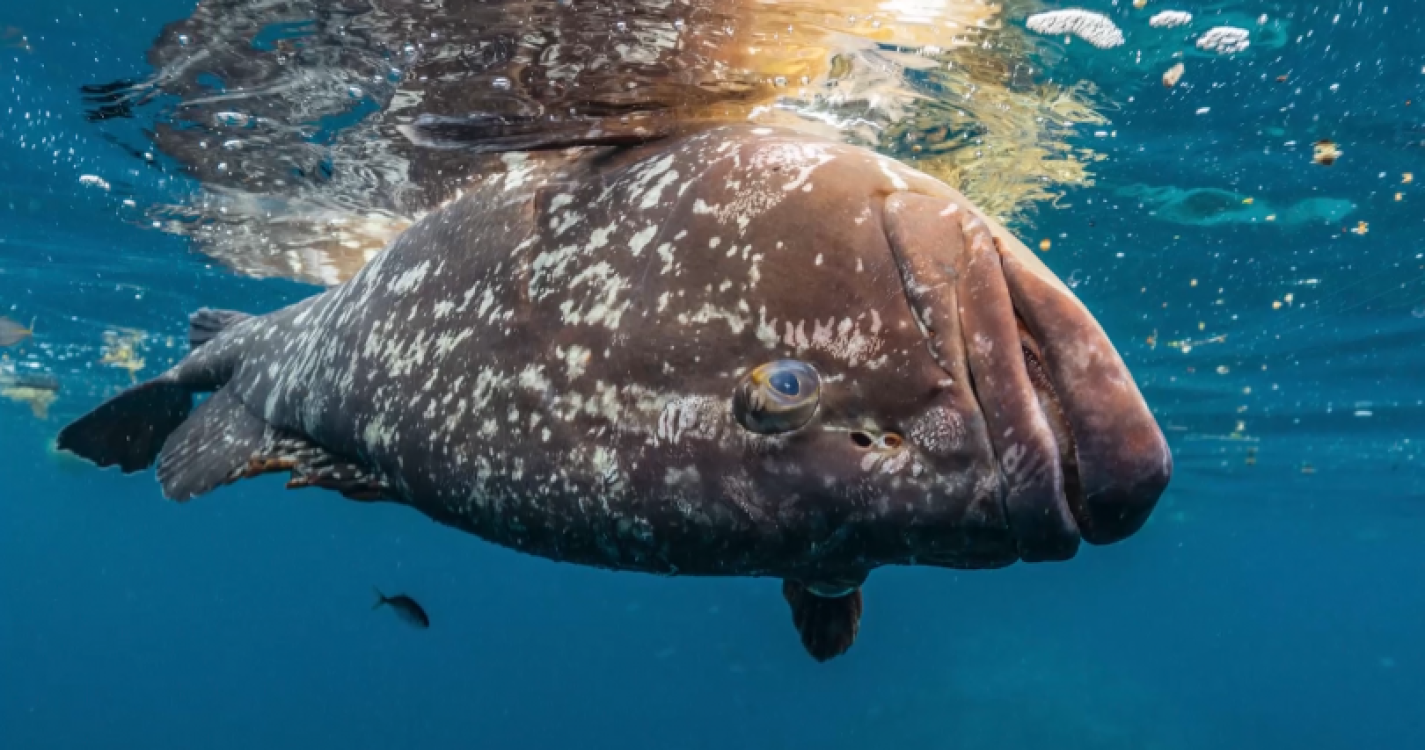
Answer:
(827, 624)
(213, 447)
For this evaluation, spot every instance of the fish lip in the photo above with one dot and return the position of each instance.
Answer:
(957, 292)
(1116, 464)
(1121, 456)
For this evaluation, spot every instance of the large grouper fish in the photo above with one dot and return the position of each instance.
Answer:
(740, 351)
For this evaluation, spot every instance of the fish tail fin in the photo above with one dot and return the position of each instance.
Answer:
(129, 429)
(380, 598)
(827, 625)
(207, 323)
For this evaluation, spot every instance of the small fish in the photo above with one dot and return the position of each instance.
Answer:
(406, 608)
(12, 333)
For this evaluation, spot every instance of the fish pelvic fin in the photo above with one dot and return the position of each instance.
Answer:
(129, 429)
(827, 625)
(207, 323)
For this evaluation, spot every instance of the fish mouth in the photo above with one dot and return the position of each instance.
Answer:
(1079, 453)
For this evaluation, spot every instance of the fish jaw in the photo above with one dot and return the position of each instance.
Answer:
(1078, 453)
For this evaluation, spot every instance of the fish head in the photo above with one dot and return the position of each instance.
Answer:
(847, 364)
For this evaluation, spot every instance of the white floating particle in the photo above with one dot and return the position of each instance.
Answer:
(1204, 110)
(1224, 40)
(93, 180)
(1363, 412)
(1094, 28)
(1169, 19)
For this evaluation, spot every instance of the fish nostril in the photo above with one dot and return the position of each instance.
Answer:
(862, 440)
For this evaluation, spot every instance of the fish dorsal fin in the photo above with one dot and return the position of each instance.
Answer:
(206, 323)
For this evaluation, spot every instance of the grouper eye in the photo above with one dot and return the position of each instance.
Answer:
(777, 397)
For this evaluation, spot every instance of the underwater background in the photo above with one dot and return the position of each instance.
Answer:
(1271, 309)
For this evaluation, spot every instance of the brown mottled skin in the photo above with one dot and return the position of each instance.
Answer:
(548, 363)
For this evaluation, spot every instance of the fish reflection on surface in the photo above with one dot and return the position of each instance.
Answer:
(320, 129)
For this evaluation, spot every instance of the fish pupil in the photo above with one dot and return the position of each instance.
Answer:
(785, 383)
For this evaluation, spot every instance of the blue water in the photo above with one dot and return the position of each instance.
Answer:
(1276, 598)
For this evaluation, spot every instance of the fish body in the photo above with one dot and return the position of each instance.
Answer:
(405, 608)
(739, 352)
(12, 333)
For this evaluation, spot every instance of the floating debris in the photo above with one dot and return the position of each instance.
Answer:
(38, 391)
(1307, 468)
(1224, 40)
(1325, 152)
(1170, 19)
(1361, 228)
(1140, 4)
(121, 350)
(1173, 75)
(12, 333)
(1186, 346)
(1407, 178)
(1044, 245)
(1094, 28)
